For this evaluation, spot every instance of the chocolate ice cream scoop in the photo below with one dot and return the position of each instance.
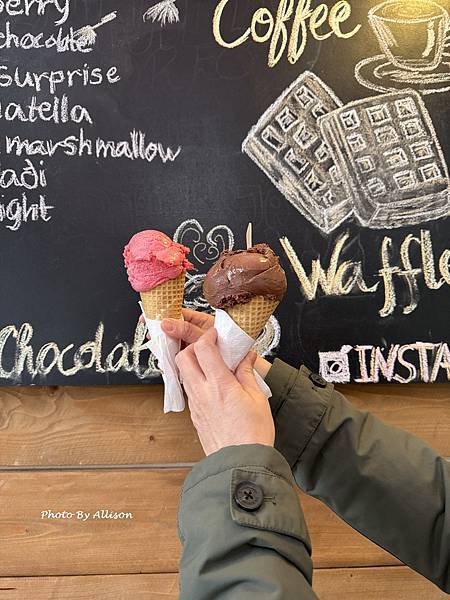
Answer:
(240, 275)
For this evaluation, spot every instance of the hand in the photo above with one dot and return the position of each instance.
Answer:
(226, 409)
(195, 324)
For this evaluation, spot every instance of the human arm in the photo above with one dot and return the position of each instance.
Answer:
(240, 520)
(384, 482)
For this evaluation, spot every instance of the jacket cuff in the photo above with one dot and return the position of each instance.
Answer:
(300, 400)
(234, 457)
(213, 484)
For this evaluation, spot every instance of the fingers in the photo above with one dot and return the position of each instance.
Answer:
(210, 359)
(189, 331)
(245, 373)
(200, 319)
(190, 370)
(182, 330)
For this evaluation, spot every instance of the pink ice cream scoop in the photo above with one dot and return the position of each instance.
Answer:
(152, 258)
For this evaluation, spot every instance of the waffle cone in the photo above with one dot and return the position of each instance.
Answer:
(252, 317)
(165, 301)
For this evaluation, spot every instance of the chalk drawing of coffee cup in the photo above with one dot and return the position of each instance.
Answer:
(414, 36)
(411, 33)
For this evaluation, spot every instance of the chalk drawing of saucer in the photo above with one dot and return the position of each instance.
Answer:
(377, 73)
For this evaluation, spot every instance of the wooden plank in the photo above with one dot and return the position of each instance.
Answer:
(379, 583)
(31, 545)
(386, 583)
(125, 425)
(100, 587)
(92, 426)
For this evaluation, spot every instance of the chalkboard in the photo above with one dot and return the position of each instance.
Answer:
(325, 125)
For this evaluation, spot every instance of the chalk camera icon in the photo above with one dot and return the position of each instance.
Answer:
(411, 34)
(335, 366)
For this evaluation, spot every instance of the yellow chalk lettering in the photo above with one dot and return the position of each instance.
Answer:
(113, 364)
(284, 13)
(429, 270)
(318, 18)
(341, 286)
(5, 333)
(444, 265)
(272, 27)
(216, 28)
(387, 272)
(264, 17)
(41, 367)
(339, 13)
(299, 30)
(66, 372)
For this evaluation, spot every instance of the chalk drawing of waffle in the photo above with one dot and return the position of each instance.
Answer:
(389, 154)
(287, 145)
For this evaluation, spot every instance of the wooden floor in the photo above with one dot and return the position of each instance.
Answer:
(86, 450)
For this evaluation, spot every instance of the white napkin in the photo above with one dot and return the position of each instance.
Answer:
(165, 349)
(234, 344)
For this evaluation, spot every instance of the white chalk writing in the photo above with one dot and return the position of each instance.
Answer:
(29, 8)
(396, 363)
(59, 110)
(164, 12)
(19, 210)
(56, 108)
(342, 277)
(136, 147)
(17, 342)
(87, 36)
(51, 81)
(61, 41)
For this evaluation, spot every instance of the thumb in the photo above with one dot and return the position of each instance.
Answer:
(181, 330)
(245, 373)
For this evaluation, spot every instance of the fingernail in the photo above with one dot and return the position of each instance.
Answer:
(169, 325)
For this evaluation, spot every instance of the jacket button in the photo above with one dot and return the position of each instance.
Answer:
(248, 495)
(318, 380)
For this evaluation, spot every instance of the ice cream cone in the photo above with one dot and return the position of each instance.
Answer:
(165, 301)
(252, 316)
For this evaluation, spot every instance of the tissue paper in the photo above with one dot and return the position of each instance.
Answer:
(234, 344)
(165, 349)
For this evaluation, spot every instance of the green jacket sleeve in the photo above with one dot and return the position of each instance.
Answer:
(384, 482)
(242, 529)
